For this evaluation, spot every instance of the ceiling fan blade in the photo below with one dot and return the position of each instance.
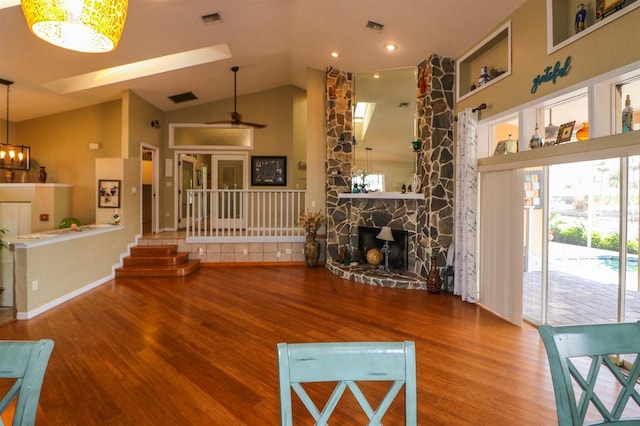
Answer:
(258, 125)
(221, 122)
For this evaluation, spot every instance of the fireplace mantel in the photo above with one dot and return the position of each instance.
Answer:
(382, 195)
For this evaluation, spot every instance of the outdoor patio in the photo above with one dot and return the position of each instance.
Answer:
(582, 287)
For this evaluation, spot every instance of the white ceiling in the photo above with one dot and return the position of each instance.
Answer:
(272, 41)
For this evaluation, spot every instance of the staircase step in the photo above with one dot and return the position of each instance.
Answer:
(154, 251)
(161, 260)
(180, 270)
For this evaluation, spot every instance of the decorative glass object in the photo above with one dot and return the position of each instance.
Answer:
(536, 139)
(627, 116)
(583, 133)
(510, 145)
(42, 175)
(434, 282)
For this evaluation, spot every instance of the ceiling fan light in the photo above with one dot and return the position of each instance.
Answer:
(83, 25)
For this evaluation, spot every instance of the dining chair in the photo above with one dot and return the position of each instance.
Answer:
(348, 364)
(584, 391)
(26, 362)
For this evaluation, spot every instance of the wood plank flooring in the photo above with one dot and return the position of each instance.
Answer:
(200, 349)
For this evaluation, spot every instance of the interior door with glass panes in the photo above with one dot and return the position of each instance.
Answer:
(229, 177)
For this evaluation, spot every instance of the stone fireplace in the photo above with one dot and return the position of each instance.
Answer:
(426, 215)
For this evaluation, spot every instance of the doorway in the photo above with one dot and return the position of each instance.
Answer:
(229, 174)
(186, 175)
(149, 184)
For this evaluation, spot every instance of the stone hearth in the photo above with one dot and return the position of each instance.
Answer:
(367, 274)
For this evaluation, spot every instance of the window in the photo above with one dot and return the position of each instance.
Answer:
(372, 182)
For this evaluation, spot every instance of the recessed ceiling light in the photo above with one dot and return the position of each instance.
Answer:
(390, 47)
(376, 76)
(335, 54)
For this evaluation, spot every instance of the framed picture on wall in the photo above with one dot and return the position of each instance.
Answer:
(268, 171)
(108, 193)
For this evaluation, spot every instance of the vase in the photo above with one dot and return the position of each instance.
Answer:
(311, 250)
(434, 282)
(42, 175)
(583, 134)
(9, 175)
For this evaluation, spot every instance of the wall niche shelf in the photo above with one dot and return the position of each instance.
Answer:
(561, 16)
(494, 52)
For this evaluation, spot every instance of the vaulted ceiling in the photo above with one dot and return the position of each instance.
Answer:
(272, 41)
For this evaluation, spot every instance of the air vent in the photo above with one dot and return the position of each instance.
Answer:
(212, 18)
(375, 26)
(183, 97)
(403, 105)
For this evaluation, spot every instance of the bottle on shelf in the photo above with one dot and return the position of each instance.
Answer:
(536, 139)
(627, 116)
(510, 145)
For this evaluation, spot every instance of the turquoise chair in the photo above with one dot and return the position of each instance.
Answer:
(347, 363)
(576, 355)
(26, 362)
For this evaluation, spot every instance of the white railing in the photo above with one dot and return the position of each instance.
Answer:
(227, 215)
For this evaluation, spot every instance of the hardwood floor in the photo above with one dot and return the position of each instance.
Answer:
(200, 349)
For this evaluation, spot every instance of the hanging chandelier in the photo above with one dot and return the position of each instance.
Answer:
(91, 26)
(14, 157)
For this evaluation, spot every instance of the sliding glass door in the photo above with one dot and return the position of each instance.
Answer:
(581, 230)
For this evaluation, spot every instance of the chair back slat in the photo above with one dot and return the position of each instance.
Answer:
(347, 363)
(26, 362)
(570, 349)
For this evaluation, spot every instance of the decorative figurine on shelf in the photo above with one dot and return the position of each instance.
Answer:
(536, 139)
(116, 218)
(627, 116)
(484, 76)
(510, 145)
(581, 18)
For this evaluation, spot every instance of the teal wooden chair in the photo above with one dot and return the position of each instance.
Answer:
(26, 362)
(576, 355)
(347, 364)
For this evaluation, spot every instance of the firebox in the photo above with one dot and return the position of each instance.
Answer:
(398, 249)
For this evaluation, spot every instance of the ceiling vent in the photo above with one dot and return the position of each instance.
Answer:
(403, 105)
(212, 18)
(183, 97)
(375, 26)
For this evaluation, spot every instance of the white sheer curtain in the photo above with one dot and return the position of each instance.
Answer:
(466, 208)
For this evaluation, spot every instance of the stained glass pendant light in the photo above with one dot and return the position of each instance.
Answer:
(92, 26)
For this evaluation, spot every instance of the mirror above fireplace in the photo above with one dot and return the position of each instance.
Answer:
(384, 125)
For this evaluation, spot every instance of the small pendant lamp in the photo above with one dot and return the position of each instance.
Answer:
(89, 26)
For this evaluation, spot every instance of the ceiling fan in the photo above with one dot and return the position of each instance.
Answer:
(236, 118)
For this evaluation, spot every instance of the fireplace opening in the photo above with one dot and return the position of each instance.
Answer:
(398, 249)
